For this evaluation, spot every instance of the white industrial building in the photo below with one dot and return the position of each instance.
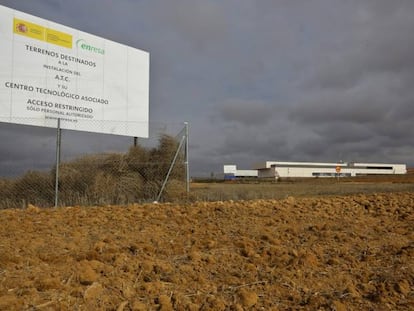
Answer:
(231, 172)
(274, 169)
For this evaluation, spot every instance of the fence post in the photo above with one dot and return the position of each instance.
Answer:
(170, 169)
(187, 167)
(58, 138)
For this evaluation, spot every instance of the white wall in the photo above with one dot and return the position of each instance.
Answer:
(272, 169)
(353, 170)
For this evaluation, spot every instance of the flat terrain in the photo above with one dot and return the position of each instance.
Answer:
(325, 252)
(306, 187)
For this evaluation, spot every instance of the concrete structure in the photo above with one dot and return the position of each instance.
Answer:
(315, 169)
(231, 172)
(275, 169)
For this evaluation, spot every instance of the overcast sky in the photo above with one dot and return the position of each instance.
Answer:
(280, 80)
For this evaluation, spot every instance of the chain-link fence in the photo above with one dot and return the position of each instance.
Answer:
(94, 169)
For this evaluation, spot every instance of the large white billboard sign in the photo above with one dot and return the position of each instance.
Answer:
(49, 72)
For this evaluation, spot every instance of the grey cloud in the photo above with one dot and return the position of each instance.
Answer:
(245, 112)
(357, 94)
(379, 41)
(354, 105)
(398, 132)
(198, 23)
(258, 80)
(343, 132)
(26, 148)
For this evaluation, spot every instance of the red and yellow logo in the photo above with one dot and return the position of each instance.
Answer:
(21, 27)
(38, 32)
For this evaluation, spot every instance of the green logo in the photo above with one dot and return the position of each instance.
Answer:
(82, 44)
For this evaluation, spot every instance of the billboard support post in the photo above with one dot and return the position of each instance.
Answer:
(58, 144)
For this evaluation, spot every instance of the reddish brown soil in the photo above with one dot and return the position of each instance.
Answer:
(332, 253)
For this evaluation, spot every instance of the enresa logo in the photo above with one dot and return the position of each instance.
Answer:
(82, 44)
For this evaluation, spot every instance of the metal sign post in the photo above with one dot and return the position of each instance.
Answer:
(338, 171)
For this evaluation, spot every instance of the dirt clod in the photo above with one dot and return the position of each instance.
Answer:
(247, 298)
(93, 291)
(403, 287)
(87, 274)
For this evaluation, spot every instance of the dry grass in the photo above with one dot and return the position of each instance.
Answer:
(221, 191)
(101, 179)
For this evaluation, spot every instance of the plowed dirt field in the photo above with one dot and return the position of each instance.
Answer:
(352, 252)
